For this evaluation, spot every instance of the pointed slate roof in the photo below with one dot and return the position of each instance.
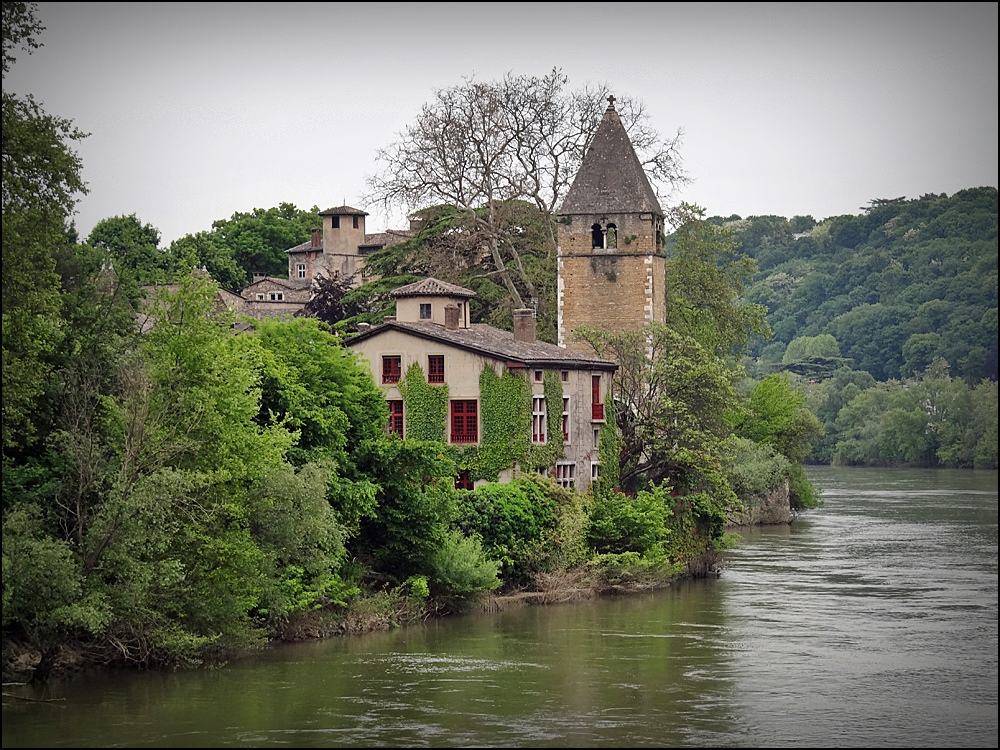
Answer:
(432, 287)
(611, 178)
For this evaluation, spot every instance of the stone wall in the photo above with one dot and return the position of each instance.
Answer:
(772, 508)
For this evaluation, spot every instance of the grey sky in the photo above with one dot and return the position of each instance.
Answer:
(199, 110)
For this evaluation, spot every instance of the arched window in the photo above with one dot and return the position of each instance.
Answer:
(597, 236)
(612, 236)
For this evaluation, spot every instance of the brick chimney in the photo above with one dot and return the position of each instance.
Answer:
(317, 237)
(451, 317)
(524, 325)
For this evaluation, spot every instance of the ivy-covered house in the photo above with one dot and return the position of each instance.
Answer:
(506, 400)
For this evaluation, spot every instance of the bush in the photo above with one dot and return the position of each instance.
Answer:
(513, 521)
(622, 523)
(462, 571)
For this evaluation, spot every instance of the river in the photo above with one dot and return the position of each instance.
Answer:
(868, 622)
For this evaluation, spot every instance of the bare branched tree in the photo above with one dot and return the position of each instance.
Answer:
(480, 146)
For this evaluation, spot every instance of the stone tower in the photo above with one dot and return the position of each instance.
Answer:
(343, 234)
(610, 241)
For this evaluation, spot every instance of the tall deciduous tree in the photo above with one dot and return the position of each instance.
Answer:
(41, 183)
(481, 146)
(674, 403)
(706, 278)
(133, 248)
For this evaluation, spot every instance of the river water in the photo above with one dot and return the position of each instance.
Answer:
(869, 622)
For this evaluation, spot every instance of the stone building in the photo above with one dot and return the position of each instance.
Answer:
(610, 241)
(337, 250)
(432, 329)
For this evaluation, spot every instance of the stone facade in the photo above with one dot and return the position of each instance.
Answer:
(610, 241)
(430, 323)
(336, 250)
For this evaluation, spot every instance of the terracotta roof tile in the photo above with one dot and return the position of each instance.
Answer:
(432, 287)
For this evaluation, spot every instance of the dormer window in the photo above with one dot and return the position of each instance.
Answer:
(425, 310)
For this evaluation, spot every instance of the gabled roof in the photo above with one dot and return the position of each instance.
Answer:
(492, 342)
(431, 287)
(611, 178)
(272, 280)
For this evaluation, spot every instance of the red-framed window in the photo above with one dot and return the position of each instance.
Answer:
(395, 426)
(390, 368)
(538, 422)
(597, 412)
(463, 481)
(464, 421)
(435, 368)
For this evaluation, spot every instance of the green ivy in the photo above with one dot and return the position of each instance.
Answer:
(608, 456)
(505, 415)
(545, 456)
(426, 406)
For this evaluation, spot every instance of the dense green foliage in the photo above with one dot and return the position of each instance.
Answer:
(707, 275)
(935, 421)
(41, 184)
(178, 484)
(426, 405)
(905, 282)
(515, 521)
(903, 295)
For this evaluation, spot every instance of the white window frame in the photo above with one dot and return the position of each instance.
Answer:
(300, 270)
(566, 474)
(566, 421)
(539, 425)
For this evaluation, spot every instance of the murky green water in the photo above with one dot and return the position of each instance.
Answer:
(871, 622)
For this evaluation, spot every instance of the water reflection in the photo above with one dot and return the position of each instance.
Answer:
(869, 622)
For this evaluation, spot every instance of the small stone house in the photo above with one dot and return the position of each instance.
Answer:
(432, 330)
(336, 250)
(270, 296)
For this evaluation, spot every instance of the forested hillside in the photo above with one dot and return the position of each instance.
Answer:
(899, 285)
(888, 322)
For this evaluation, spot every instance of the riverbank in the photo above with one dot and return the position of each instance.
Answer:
(378, 611)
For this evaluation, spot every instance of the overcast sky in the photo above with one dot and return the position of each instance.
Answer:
(199, 110)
